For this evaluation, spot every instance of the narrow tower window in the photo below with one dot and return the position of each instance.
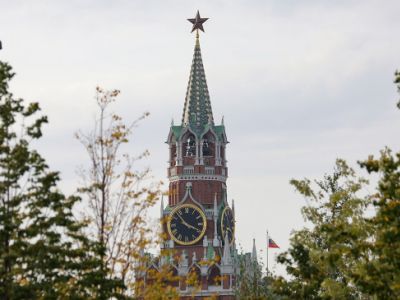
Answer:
(206, 148)
(208, 144)
(190, 146)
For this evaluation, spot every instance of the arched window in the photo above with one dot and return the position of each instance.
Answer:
(194, 276)
(173, 155)
(172, 279)
(206, 147)
(208, 144)
(189, 145)
(214, 276)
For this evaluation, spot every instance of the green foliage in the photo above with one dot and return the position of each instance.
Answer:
(321, 259)
(347, 254)
(380, 275)
(382, 270)
(43, 254)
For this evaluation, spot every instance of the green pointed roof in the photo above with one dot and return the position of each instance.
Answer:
(197, 110)
(210, 252)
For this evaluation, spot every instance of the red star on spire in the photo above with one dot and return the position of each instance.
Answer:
(197, 22)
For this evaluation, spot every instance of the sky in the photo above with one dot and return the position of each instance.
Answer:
(299, 83)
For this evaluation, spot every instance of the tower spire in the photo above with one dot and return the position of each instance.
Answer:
(197, 110)
(254, 252)
(227, 258)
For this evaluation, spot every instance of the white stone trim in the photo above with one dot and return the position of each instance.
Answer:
(197, 177)
(209, 170)
(188, 170)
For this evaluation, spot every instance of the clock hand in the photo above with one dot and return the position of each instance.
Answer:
(188, 225)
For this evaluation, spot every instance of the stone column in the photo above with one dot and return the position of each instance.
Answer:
(217, 153)
(179, 153)
(201, 159)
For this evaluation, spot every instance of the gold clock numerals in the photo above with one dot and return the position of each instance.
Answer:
(187, 224)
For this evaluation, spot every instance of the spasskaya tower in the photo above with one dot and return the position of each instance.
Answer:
(200, 224)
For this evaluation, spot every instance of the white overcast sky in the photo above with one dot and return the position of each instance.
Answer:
(300, 83)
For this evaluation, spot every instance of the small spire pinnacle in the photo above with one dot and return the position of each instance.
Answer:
(254, 252)
(205, 241)
(205, 245)
(227, 258)
(210, 120)
(215, 240)
(184, 261)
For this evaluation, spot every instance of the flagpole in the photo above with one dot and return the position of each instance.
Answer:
(267, 252)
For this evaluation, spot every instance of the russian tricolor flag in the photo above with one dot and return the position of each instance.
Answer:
(272, 244)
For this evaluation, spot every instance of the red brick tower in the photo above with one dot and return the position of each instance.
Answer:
(200, 223)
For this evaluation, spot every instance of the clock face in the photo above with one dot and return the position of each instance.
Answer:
(227, 224)
(187, 224)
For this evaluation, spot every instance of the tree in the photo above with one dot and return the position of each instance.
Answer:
(380, 275)
(43, 253)
(348, 254)
(118, 197)
(321, 260)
